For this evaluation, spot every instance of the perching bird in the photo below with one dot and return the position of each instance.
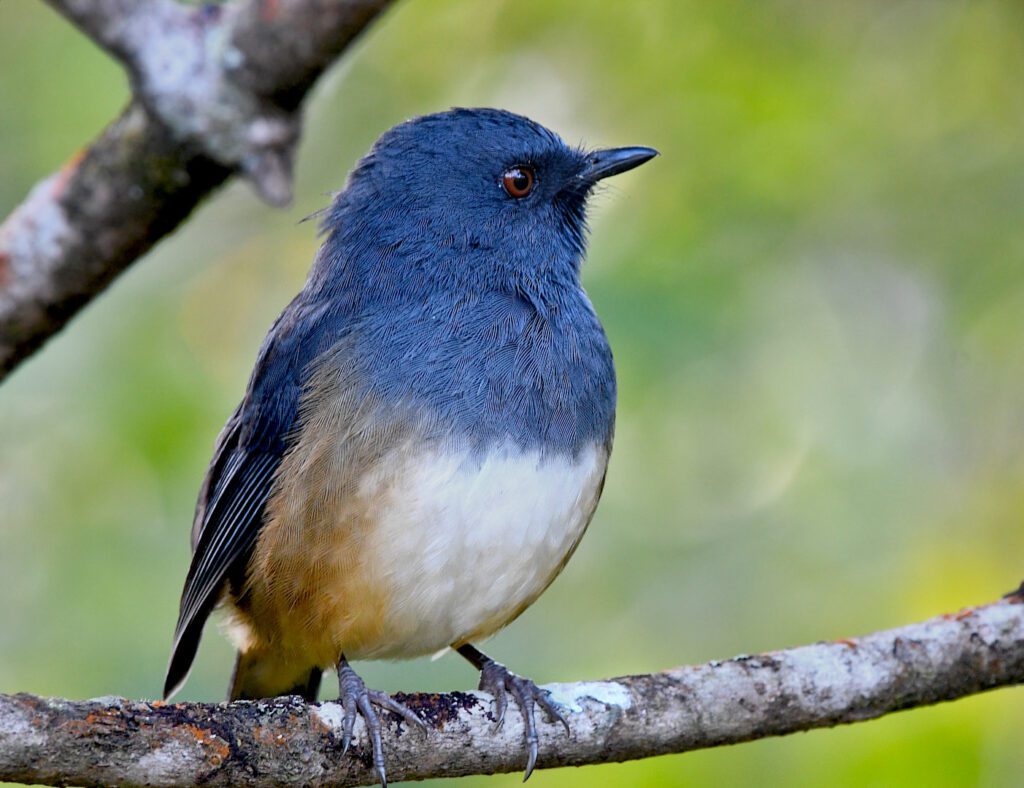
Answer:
(424, 437)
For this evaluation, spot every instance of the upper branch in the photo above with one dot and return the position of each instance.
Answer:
(227, 79)
(216, 90)
(286, 741)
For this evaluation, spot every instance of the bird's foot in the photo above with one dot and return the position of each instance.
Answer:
(500, 682)
(357, 700)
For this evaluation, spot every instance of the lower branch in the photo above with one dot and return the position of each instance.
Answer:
(112, 741)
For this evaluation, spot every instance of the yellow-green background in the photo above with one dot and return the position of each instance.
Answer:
(815, 298)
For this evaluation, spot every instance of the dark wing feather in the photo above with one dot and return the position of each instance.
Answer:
(229, 513)
(225, 540)
(223, 452)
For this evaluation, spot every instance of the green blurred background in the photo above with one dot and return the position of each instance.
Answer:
(816, 302)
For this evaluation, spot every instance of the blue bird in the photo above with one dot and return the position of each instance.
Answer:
(424, 438)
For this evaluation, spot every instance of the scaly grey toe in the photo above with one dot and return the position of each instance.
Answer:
(357, 700)
(500, 682)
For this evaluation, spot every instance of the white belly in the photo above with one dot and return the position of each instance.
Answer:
(463, 545)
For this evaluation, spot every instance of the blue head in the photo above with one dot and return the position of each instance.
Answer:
(472, 200)
(449, 280)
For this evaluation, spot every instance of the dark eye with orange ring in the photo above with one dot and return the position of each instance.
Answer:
(518, 181)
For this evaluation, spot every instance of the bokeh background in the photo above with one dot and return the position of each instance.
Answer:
(815, 298)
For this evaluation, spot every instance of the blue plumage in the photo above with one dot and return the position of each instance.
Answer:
(460, 299)
(442, 337)
(463, 301)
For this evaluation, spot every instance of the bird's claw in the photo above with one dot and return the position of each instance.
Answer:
(500, 682)
(357, 700)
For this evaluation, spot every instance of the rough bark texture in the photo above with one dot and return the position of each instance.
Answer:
(216, 90)
(112, 741)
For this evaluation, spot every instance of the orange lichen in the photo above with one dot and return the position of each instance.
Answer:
(219, 749)
(79, 728)
(267, 735)
(960, 615)
(847, 642)
(94, 723)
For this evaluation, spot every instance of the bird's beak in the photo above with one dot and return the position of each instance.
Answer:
(611, 161)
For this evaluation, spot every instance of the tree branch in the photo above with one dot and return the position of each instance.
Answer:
(216, 90)
(285, 741)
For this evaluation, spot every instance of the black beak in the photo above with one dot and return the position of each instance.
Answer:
(611, 161)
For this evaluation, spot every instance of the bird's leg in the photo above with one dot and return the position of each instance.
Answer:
(499, 681)
(357, 700)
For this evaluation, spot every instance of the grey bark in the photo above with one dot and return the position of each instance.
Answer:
(216, 90)
(112, 741)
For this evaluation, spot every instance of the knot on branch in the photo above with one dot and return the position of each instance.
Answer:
(187, 71)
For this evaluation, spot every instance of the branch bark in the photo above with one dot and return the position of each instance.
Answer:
(112, 741)
(216, 90)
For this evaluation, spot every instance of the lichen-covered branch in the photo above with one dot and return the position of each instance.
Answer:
(112, 741)
(216, 90)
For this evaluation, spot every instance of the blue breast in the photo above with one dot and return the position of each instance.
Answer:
(529, 368)
(492, 368)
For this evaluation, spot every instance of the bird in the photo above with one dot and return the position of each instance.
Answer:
(425, 435)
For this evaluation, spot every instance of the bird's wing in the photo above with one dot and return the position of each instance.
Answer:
(229, 513)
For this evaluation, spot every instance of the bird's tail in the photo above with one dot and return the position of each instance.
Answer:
(262, 675)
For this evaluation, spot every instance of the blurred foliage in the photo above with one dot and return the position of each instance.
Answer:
(815, 298)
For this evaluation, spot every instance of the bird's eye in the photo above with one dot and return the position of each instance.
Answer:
(518, 181)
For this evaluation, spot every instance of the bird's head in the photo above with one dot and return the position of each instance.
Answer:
(468, 199)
